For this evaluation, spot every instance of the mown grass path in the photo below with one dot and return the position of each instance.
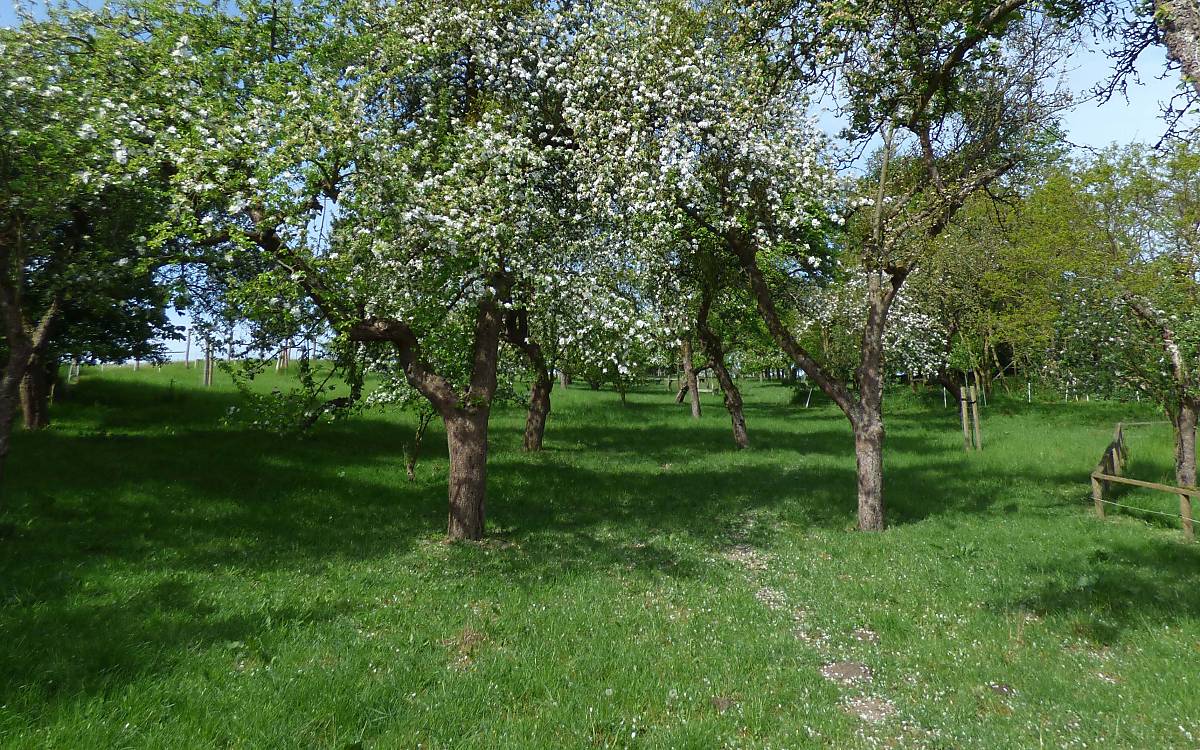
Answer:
(171, 579)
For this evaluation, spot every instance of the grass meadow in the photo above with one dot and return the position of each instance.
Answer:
(170, 577)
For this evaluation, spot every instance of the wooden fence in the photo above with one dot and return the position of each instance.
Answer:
(1110, 470)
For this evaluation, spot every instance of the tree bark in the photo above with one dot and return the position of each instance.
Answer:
(539, 410)
(9, 403)
(689, 374)
(1185, 443)
(35, 394)
(467, 441)
(25, 342)
(716, 357)
(867, 417)
(868, 451)
(517, 333)
(1179, 22)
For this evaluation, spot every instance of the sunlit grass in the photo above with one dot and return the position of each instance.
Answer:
(171, 578)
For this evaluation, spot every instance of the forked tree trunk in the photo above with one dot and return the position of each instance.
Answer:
(465, 414)
(865, 412)
(689, 374)
(467, 441)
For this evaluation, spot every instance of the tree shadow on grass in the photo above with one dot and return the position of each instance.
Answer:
(140, 481)
(1117, 585)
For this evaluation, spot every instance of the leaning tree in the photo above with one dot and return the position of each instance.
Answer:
(691, 121)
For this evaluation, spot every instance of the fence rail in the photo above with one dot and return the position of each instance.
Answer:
(1109, 471)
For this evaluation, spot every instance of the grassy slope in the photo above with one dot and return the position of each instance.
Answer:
(173, 582)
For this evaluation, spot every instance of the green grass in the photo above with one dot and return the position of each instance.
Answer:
(169, 580)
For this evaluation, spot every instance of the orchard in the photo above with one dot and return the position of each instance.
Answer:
(555, 374)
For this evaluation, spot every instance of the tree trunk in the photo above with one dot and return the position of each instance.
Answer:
(716, 355)
(1185, 444)
(35, 394)
(1179, 21)
(539, 410)
(868, 450)
(689, 374)
(465, 414)
(733, 403)
(467, 441)
(10, 399)
(867, 416)
(1185, 460)
(516, 324)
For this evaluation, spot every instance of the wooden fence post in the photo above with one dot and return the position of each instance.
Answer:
(1185, 513)
(1098, 496)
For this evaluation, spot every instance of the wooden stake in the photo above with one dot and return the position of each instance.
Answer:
(187, 351)
(1185, 512)
(965, 427)
(975, 414)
